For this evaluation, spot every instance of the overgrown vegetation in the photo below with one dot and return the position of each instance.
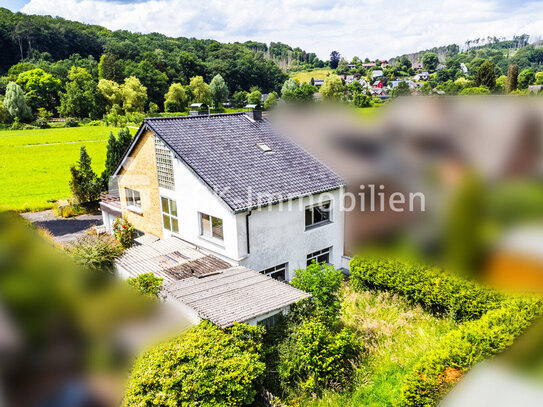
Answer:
(96, 252)
(206, 366)
(147, 284)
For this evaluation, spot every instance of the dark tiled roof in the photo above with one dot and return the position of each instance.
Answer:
(222, 150)
(200, 267)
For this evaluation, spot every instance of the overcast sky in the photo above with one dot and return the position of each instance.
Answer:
(366, 28)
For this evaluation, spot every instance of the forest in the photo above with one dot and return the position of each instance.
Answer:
(59, 64)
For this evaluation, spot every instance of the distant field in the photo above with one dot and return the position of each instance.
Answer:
(315, 74)
(35, 164)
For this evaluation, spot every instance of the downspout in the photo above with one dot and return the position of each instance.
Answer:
(247, 229)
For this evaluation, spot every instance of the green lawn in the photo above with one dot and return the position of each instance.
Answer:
(34, 164)
(315, 74)
(396, 335)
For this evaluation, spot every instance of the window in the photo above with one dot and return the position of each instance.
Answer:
(319, 256)
(133, 199)
(264, 147)
(211, 226)
(270, 321)
(278, 272)
(169, 215)
(317, 214)
(164, 165)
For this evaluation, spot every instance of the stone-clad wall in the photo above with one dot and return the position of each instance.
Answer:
(140, 173)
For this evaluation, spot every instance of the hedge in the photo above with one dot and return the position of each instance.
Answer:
(438, 370)
(204, 367)
(492, 321)
(436, 290)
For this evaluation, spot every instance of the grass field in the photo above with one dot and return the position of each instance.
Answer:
(315, 74)
(34, 164)
(395, 335)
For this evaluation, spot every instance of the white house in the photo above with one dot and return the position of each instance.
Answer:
(233, 187)
(377, 73)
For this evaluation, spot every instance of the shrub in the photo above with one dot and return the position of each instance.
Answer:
(205, 367)
(477, 90)
(17, 125)
(434, 289)
(147, 284)
(124, 232)
(439, 369)
(313, 356)
(42, 123)
(323, 282)
(94, 123)
(97, 252)
(71, 122)
(68, 211)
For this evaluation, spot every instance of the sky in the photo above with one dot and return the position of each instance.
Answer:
(365, 28)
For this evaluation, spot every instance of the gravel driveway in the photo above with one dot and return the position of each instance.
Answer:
(63, 230)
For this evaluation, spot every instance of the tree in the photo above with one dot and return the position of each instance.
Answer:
(486, 75)
(200, 90)
(333, 88)
(206, 366)
(361, 100)
(219, 90)
(271, 101)
(134, 95)
(176, 98)
(402, 89)
(512, 77)
(15, 103)
(109, 68)
(83, 182)
(116, 147)
(111, 91)
(323, 282)
(239, 99)
(288, 88)
(335, 57)
(79, 100)
(526, 78)
(430, 61)
(40, 88)
(254, 98)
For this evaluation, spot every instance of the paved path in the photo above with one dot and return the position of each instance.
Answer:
(63, 230)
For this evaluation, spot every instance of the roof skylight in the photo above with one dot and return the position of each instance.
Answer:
(264, 147)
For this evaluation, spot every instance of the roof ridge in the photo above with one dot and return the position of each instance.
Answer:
(196, 116)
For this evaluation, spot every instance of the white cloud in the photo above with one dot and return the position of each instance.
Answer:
(364, 28)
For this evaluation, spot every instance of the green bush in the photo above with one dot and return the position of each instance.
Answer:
(323, 282)
(437, 291)
(68, 211)
(124, 232)
(204, 367)
(439, 369)
(42, 123)
(313, 357)
(147, 284)
(71, 122)
(96, 252)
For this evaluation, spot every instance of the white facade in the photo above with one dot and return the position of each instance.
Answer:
(277, 234)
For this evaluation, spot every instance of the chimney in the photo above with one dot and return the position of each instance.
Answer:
(199, 109)
(254, 112)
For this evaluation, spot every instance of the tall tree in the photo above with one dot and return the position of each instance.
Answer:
(526, 78)
(430, 61)
(109, 68)
(134, 95)
(111, 91)
(512, 77)
(200, 90)
(486, 75)
(79, 100)
(218, 89)
(15, 103)
(333, 88)
(83, 182)
(335, 57)
(40, 88)
(116, 148)
(176, 98)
